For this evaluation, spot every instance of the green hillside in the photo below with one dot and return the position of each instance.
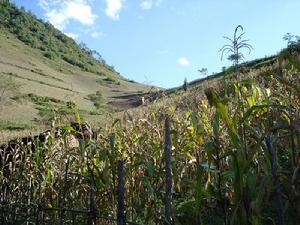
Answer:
(50, 69)
(52, 43)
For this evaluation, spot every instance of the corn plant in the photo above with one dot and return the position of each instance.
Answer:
(235, 46)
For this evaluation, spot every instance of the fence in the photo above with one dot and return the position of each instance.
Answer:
(13, 211)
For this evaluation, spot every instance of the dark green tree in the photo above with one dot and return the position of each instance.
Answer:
(185, 84)
(203, 71)
(293, 42)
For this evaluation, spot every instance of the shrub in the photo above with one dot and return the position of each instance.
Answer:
(49, 55)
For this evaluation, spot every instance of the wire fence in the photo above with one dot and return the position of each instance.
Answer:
(15, 211)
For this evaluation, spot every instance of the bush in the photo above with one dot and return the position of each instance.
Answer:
(96, 99)
(49, 55)
(42, 48)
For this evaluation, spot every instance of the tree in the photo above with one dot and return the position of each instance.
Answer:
(97, 55)
(4, 1)
(293, 42)
(235, 46)
(185, 84)
(203, 71)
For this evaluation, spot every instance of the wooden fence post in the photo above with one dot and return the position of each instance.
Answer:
(62, 201)
(92, 215)
(276, 182)
(121, 220)
(168, 197)
(38, 202)
(92, 212)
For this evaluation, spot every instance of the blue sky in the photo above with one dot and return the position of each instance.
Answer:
(160, 42)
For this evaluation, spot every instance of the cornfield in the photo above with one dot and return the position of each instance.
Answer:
(235, 159)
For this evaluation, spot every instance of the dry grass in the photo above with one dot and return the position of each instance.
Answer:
(56, 79)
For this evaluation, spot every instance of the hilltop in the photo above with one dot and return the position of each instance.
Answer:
(47, 69)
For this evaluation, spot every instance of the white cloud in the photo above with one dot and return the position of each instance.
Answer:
(183, 61)
(96, 34)
(158, 3)
(93, 32)
(148, 4)
(72, 35)
(60, 12)
(44, 4)
(113, 8)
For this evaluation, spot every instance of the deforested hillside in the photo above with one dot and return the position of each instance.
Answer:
(45, 69)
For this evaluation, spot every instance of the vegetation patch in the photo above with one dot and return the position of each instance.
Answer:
(11, 125)
(111, 80)
(41, 100)
(96, 98)
(53, 114)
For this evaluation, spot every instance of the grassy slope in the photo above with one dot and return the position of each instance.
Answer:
(58, 79)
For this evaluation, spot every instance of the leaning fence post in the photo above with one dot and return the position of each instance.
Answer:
(274, 167)
(168, 198)
(62, 206)
(92, 212)
(29, 196)
(38, 202)
(121, 201)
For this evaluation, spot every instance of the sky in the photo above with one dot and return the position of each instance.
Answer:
(162, 42)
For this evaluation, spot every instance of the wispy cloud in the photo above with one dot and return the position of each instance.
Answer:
(93, 32)
(72, 35)
(96, 34)
(158, 2)
(148, 4)
(113, 8)
(59, 13)
(44, 4)
(183, 61)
